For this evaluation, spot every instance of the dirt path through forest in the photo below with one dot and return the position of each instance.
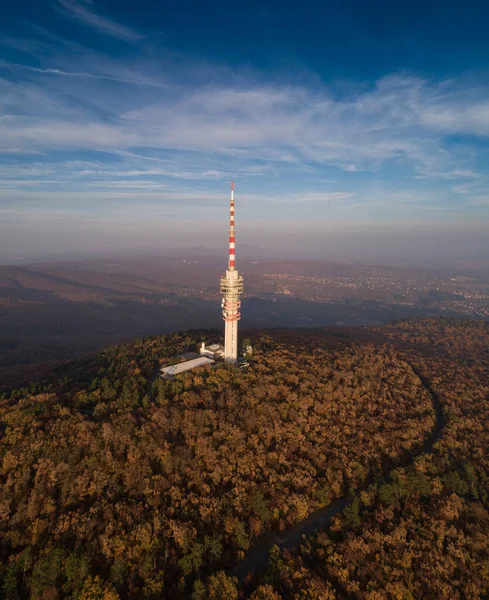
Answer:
(257, 559)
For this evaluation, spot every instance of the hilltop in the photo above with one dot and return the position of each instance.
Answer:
(116, 484)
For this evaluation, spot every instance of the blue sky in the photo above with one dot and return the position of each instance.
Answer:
(351, 128)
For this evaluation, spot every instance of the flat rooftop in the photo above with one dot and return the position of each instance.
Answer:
(188, 365)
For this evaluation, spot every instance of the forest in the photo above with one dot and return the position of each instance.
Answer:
(116, 484)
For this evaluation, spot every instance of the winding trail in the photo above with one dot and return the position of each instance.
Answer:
(257, 559)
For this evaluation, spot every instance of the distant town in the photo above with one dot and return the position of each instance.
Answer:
(467, 296)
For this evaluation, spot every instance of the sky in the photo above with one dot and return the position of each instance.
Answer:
(352, 129)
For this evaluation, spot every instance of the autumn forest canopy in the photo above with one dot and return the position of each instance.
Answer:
(115, 484)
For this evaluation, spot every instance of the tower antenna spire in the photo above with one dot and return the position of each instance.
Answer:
(232, 243)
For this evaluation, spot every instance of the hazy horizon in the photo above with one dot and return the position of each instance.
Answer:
(386, 245)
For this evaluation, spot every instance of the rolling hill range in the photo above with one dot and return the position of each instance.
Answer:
(58, 310)
(117, 484)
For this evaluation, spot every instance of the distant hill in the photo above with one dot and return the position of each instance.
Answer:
(117, 484)
(52, 311)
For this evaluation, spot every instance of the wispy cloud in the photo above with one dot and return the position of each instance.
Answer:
(82, 74)
(479, 201)
(81, 12)
(323, 197)
(165, 135)
(151, 191)
(243, 121)
(129, 185)
(288, 123)
(454, 174)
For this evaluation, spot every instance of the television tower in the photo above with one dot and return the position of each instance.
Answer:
(231, 289)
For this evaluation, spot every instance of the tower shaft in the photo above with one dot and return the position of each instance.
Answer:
(231, 290)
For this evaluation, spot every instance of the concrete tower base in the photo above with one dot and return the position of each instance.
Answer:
(231, 289)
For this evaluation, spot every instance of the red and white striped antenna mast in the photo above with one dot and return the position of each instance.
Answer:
(232, 243)
(231, 290)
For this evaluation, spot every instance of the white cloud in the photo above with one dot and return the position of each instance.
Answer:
(47, 133)
(82, 74)
(165, 132)
(454, 174)
(325, 197)
(147, 193)
(243, 119)
(463, 115)
(129, 185)
(77, 11)
(479, 201)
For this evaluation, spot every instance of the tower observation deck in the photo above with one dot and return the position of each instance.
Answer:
(231, 289)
